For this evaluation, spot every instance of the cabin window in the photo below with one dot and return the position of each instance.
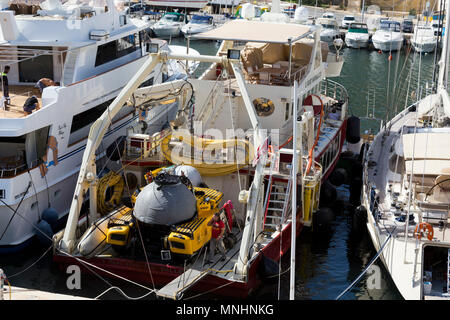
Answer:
(82, 121)
(17, 154)
(115, 49)
(287, 111)
(31, 70)
(127, 45)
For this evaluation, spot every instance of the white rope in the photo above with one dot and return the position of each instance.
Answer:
(233, 127)
(31, 265)
(123, 293)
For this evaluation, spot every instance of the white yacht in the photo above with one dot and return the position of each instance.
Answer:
(357, 36)
(330, 29)
(388, 37)
(198, 23)
(423, 39)
(90, 52)
(406, 193)
(169, 25)
(184, 5)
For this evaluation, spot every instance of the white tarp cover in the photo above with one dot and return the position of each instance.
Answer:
(171, 204)
(425, 145)
(428, 167)
(255, 31)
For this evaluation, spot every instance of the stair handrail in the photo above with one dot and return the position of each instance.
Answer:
(287, 197)
(269, 190)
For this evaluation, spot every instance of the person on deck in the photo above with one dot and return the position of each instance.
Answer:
(5, 86)
(43, 83)
(218, 229)
(31, 104)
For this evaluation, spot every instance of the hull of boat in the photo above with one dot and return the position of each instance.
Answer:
(424, 47)
(398, 262)
(356, 42)
(161, 274)
(387, 45)
(167, 31)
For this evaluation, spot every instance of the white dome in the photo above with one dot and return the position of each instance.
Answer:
(248, 11)
(191, 173)
(165, 204)
(301, 14)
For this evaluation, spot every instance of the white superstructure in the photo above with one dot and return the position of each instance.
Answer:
(90, 52)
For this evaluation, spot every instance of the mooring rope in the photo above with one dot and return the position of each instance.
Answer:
(367, 267)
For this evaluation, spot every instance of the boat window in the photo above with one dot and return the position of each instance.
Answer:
(23, 152)
(41, 66)
(172, 18)
(286, 116)
(359, 28)
(81, 122)
(118, 48)
(390, 26)
(328, 26)
(201, 19)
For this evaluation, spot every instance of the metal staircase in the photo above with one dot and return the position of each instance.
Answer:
(69, 67)
(277, 203)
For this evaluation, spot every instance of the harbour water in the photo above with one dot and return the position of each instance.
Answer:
(325, 266)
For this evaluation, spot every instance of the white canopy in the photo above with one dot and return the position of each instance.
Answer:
(427, 167)
(256, 31)
(426, 145)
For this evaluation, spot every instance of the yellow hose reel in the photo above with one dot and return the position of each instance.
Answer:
(107, 200)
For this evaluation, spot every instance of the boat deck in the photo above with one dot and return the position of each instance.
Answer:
(404, 254)
(381, 176)
(18, 95)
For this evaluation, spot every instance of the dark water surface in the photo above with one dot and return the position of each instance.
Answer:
(325, 266)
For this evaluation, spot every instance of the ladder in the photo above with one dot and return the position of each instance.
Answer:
(277, 204)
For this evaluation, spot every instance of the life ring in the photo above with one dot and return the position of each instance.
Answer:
(264, 107)
(422, 229)
(105, 203)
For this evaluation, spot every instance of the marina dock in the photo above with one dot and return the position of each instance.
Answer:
(18, 293)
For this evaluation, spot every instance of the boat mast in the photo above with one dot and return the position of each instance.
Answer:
(443, 66)
(362, 12)
(294, 196)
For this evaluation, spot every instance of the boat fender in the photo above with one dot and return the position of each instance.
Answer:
(328, 193)
(338, 177)
(115, 149)
(355, 191)
(359, 219)
(322, 220)
(353, 130)
(424, 229)
(44, 233)
(50, 215)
